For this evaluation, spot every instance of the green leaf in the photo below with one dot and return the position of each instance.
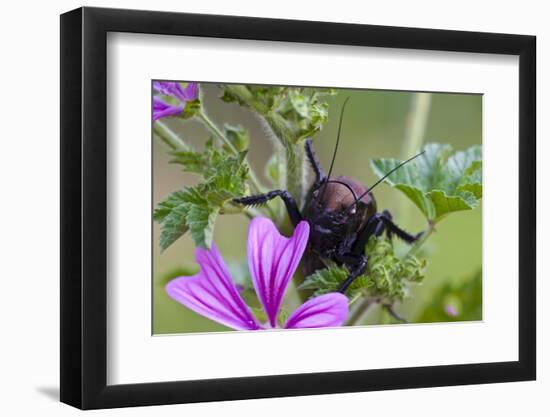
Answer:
(464, 164)
(386, 277)
(293, 113)
(172, 213)
(200, 220)
(325, 280)
(299, 103)
(238, 136)
(188, 210)
(173, 200)
(472, 180)
(227, 181)
(174, 225)
(191, 161)
(195, 209)
(300, 113)
(438, 182)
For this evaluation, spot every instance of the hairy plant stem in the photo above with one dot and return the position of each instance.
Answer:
(244, 96)
(415, 132)
(295, 161)
(216, 131)
(416, 123)
(420, 242)
(294, 154)
(280, 156)
(359, 313)
(166, 135)
(293, 145)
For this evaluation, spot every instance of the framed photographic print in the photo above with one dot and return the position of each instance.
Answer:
(256, 208)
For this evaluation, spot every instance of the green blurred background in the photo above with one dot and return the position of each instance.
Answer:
(376, 124)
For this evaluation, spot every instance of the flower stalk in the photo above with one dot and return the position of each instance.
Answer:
(245, 96)
(415, 129)
(415, 248)
(360, 312)
(167, 135)
(295, 171)
(416, 123)
(201, 115)
(294, 154)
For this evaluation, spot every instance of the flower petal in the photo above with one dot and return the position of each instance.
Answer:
(174, 89)
(191, 92)
(328, 310)
(272, 260)
(163, 87)
(167, 88)
(162, 109)
(211, 293)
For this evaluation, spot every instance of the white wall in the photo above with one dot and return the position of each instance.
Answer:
(29, 210)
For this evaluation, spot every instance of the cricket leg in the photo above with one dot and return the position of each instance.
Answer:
(356, 264)
(392, 229)
(356, 261)
(290, 204)
(320, 176)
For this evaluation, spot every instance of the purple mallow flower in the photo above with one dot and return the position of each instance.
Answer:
(272, 260)
(182, 95)
(451, 310)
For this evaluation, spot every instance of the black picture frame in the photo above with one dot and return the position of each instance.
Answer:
(84, 207)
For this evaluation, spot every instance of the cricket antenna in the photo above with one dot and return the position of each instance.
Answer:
(337, 139)
(383, 178)
(345, 185)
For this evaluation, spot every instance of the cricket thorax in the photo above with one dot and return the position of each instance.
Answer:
(336, 217)
(341, 192)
